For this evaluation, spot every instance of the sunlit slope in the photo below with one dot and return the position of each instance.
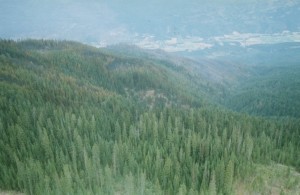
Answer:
(88, 67)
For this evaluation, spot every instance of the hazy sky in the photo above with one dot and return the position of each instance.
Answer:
(172, 25)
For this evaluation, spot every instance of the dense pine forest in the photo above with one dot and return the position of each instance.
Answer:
(273, 89)
(75, 119)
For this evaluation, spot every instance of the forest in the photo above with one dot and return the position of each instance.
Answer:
(75, 119)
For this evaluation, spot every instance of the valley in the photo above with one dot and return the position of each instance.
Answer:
(76, 119)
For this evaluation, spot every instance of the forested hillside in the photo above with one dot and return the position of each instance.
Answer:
(80, 120)
(274, 91)
(261, 80)
(272, 86)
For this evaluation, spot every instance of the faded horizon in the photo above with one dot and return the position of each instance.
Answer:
(172, 26)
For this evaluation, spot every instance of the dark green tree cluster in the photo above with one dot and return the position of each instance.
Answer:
(275, 93)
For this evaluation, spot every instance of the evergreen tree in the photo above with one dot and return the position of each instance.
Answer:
(182, 189)
(228, 180)
(212, 185)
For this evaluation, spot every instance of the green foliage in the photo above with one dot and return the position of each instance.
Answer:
(273, 91)
(75, 120)
(212, 185)
(229, 171)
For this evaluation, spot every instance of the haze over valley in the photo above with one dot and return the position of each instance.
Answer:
(149, 97)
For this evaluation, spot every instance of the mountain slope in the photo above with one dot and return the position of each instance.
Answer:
(80, 120)
(259, 79)
(273, 93)
(272, 87)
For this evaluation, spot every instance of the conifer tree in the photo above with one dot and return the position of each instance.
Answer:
(212, 185)
(182, 189)
(228, 180)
